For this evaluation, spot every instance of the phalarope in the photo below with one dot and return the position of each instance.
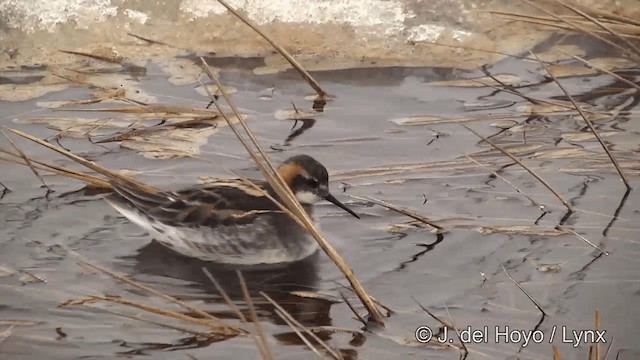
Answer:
(229, 221)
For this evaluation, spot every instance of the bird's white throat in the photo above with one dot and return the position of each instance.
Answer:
(307, 197)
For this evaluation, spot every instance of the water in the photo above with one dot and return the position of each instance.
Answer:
(370, 149)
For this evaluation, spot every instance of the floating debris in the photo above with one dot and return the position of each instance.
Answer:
(520, 229)
(504, 124)
(215, 90)
(433, 119)
(316, 295)
(294, 114)
(487, 105)
(528, 128)
(23, 92)
(556, 107)
(170, 144)
(6, 271)
(267, 94)
(586, 136)
(565, 153)
(508, 79)
(549, 268)
(514, 149)
(29, 278)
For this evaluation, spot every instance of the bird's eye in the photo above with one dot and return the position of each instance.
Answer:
(313, 182)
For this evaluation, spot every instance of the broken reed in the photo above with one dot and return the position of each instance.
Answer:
(322, 95)
(589, 124)
(281, 188)
(613, 29)
(218, 329)
(516, 160)
(290, 202)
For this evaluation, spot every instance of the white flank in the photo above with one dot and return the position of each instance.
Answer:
(174, 237)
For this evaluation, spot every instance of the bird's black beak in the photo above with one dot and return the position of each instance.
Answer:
(344, 207)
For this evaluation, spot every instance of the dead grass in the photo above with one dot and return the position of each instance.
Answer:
(615, 30)
(322, 95)
(529, 170)
(290, 202)
(216, 328)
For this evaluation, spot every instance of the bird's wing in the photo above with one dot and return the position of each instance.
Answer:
(220, 203)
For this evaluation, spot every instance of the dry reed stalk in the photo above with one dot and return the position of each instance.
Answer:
(403, 211)
(94, 126)
(579, 27)
(266, 172)
(353, 309)
(463, 355)
(531, 99)
(220, 324)
(300, 335)
(305, 75)
(248, 182)
(540, 179)
(523, 290)
(153, 109)
(112, 175)
(225, 296)
(295, 324)
(541, 207)
(606, 353)
(146, 308)
(289, 199)
(609, 72)
(156, 323)
(109, 59)
(259, 336)
(378, 302)
(6, 333)
(423, 308)
(590, 124)
(601, 25)
(86, 178)
(150, 41)
(613, 17)
(552, 23)
(562, 228)
(27, 161)
(483, 50)
(464, 352)
(627, 25)
(151, 129)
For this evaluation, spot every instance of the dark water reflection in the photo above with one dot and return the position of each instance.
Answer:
(277, 281)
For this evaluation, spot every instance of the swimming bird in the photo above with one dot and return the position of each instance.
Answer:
(230, 221)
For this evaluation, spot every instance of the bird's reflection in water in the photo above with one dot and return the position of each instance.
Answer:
(276, 281)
